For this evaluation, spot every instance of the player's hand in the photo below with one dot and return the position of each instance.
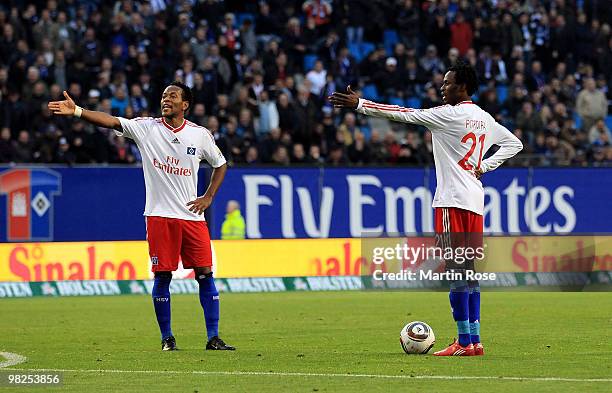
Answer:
(478, 173)
(64, 108)
(350, 99)
(200, 204)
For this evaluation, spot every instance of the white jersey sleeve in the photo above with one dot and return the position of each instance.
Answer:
(434, 118)
(509, 146)
(136, 128)
(210, 151)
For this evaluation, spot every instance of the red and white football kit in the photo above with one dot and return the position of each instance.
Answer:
(170, 161)
(461, 134)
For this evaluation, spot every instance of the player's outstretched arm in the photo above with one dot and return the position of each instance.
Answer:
(69, 108)
(351, 100)
(202, 203)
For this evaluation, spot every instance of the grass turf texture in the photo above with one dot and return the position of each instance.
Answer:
(563, 335)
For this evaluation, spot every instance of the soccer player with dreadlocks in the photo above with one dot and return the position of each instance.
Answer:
(462, 133)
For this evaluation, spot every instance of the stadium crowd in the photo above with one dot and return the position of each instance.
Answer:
(261, 72)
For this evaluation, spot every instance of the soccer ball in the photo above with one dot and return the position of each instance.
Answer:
(417, 337)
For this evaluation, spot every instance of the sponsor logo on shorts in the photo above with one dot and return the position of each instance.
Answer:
(216, 297)
(154, 261)
(191, 151)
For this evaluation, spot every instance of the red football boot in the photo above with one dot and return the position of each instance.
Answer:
(455, 349)
(478, 349)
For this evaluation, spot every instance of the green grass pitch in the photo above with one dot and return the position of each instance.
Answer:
(287, 341)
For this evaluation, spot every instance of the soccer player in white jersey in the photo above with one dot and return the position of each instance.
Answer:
(462, 133)
(172, 148)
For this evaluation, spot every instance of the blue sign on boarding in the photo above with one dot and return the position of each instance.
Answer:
(301, 203)
(103, 203)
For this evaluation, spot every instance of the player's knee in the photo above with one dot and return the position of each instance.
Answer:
(459, 285)
(163, 275)
(202, 272)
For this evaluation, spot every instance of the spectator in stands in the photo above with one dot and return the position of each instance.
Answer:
(328, 50)
(320, 11)
(431, 63)
(317, 77)
(461, 34)
(389, 81)
(359, 152)
(248, 40)
(599, 134)
(233, 141)
(294, 43)
(348, 128)
(541, 56)
(138, 102)
(298, 155)
(357, 13)
(281, 156)
(306, 113)
(198, 114)
(119, 102)
(591, 104)
(63, 155)
(440, 33)
(268, 114)
(392, 148)
(488, 101)
(314, 155)
(528, 120)
(426, 149)
(267, 24)
(252, 156)
(336, 156)
(431, 99)
(408, 23)
(7, 152)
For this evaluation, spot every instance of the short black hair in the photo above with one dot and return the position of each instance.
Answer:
(187, 94)
(465, 74)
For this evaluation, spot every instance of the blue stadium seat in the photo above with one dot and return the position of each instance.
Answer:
(309, 62)
(609, 121)
(413, 102)
(367, 132)
(390, 38)
(366, 48)
(502, 94)
(577, 120)
(370, 93)
(396, 101)
(355, 51)
(241, 17)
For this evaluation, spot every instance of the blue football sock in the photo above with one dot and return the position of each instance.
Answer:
(209, 299)
(475, 312)
(459, 297)
(161, 303)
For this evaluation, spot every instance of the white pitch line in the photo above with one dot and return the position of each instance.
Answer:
(332, 375)
(12, 359)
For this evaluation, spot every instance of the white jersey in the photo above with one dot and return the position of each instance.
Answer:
(461, 135)
(170, 161)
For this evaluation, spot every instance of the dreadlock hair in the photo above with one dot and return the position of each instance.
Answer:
(187, 95)
(465, 75)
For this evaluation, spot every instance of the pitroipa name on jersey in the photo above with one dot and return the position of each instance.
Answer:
(173, 170)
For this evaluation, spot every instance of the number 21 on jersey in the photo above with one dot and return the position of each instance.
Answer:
(471, 138)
